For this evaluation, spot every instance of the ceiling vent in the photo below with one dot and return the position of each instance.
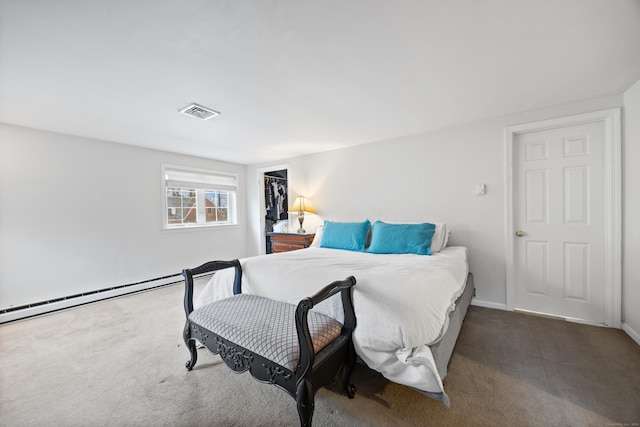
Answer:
(199, 112)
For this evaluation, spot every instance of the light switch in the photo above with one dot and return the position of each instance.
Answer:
(480, 189)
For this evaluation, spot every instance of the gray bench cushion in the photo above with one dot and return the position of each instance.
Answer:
(264, 326)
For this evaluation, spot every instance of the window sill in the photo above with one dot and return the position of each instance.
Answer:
(198, 227)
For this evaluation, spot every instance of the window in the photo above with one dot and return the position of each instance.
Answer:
(197, 197)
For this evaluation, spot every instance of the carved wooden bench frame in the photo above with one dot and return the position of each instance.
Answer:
(313, 370)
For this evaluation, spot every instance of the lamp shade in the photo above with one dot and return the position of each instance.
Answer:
(302, 204)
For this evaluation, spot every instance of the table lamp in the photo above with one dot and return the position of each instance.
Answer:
(302, 205)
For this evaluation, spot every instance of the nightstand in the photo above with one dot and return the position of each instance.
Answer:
(284, 242)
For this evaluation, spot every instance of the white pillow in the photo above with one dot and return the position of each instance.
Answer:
(446, 239)
(317, 238)
(439, 238)
(279, 227)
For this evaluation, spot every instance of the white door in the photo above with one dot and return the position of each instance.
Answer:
(559, 221)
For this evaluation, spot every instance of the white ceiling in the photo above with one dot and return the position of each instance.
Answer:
(292, 77)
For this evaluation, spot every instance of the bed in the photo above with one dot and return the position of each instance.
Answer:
(409, 307)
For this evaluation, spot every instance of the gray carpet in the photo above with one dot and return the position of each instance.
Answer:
(121, 363)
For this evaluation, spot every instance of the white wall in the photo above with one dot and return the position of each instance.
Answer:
(428, 177)
(631, 213)
(78, 215)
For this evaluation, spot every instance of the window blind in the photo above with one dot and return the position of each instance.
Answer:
(202, 180)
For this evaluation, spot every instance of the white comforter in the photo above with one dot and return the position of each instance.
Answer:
(401, 301)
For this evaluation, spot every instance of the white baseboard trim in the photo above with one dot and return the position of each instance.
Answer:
(63, 303)
(488, 304)
(633, 334)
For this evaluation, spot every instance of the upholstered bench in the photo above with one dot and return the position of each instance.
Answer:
(278, 343)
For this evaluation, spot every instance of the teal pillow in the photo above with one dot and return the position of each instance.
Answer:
(351, 236)
(401, 238)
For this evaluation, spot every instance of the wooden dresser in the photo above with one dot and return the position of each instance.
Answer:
(284, 242)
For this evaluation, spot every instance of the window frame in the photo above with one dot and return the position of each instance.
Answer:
(201, 180)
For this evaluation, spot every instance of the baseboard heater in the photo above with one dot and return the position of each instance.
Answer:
(41, 307)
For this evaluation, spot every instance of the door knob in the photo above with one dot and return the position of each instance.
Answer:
(520, 233)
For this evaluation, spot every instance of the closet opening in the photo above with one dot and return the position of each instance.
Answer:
(276, 203)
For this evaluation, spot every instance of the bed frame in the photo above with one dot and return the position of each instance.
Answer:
(443, 349)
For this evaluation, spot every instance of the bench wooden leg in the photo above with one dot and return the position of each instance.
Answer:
(191, 346)
(305, 402)
(347, 369)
